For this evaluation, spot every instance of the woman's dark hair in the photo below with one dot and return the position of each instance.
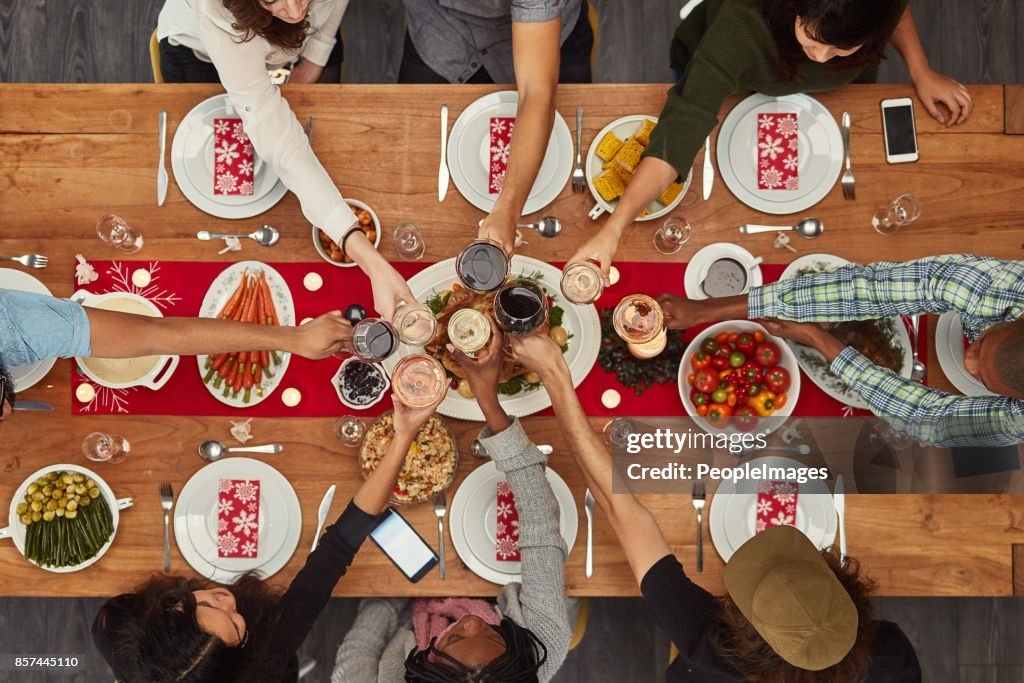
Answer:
(524, 654)
(255, 20)
(152, 634)
(844, 24)
(738, 641)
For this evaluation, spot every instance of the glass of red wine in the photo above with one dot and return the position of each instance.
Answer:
(520, 306)
(482, 266)
(373, 339)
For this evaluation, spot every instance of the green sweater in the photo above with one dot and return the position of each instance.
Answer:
(722, 48)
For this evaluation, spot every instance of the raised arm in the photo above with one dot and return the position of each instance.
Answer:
(317, 49)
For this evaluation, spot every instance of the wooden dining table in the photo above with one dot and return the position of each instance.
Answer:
(72, 153)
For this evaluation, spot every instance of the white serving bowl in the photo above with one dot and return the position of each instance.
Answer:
(355, 203)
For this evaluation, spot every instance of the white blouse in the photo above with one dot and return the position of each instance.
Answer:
(276, 135)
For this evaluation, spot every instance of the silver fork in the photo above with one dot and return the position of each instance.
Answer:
(848, 188)
(588, 507)
(440, 507)
(699, 495)
(167, 502)
(28, 260)
(579, 180)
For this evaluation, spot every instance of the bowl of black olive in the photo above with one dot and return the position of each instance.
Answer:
(360, 384)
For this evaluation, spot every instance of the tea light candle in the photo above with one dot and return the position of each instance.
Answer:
(306, 320)
(141, 278)
(291, 397)
(611, 399)
(85, 392)
(313, 282)
(613, 275)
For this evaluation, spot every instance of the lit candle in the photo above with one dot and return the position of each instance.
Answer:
(291, 397)
(613, 275)
(611, 399)
(141, 278)
(306, 320)
(85, 392)
(313, 281)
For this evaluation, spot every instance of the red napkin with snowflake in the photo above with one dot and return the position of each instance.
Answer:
(238, 515)
(776, 504)
(232, 158)
(777, 147)
(501, 140)
(507, 529)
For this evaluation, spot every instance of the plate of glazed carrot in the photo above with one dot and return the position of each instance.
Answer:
(248, 291)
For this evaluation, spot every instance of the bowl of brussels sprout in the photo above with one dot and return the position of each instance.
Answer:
(63, 518)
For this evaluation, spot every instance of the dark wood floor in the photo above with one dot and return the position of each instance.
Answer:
(980, 41)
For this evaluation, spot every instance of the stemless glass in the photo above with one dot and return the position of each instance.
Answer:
(374, 339)
(520, 306)
(904, 210)
(100, 447)
(349, 430)
(482, 266)
(672, 234)
(409, 242)
(582, 282)
(617, 430)
(114, 231)
(469, 330)
(419, 380)
(640, 322)
(415, 323)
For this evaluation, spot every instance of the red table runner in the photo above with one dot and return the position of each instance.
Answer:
(178, 287)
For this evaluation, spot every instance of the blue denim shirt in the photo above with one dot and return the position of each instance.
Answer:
(36, 326)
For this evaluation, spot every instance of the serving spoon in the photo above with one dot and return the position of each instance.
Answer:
(214, 450)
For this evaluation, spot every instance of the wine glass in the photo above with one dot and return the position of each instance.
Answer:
(469, 330)
(903, 211)
(409, 242)
(582, 282)
(114, 231)
(482, 266)
(415, 323)
(419, 380)
(349, 430)
(520, 306)
(100, 447)
(373, 339)
(640, 322)
(617, 430)
(672, 235)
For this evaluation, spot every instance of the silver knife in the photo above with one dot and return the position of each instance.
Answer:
(442, 171)
(31, 405)
(709, 170)
(839, 498)
(325, 506)
(161, 176)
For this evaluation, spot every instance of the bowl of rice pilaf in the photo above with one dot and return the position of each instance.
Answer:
(429, 466)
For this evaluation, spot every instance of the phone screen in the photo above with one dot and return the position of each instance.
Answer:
(899, 130)
(403, 545)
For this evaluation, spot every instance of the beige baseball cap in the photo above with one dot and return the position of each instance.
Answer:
(783, 585)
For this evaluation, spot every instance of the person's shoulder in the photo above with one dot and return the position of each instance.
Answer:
(217, 14)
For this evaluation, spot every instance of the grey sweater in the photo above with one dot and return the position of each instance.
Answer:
(374, 650)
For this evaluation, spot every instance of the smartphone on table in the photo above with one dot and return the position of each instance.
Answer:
(900, 131)
(403, 545)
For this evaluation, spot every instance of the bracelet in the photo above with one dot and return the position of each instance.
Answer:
(347, 235)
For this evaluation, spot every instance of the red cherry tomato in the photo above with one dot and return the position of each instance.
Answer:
(767, 354)
(745, 343)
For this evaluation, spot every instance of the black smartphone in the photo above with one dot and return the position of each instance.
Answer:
(399, 541)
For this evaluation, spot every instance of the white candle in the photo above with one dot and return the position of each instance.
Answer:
(85, 392)
(141, 278)
(613, 275)
(313, 281)
(306, 320)
(291, 397)
(611, 399)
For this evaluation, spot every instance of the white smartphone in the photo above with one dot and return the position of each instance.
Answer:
(899, 129)
(399, 541)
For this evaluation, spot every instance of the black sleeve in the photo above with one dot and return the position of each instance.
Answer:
(681, 607)
(311, 588)
(893, 659)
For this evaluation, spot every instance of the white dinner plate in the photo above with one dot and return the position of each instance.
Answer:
(469, 154)
(820, 152)
(25, 376)
(581, 322)
(734, 514)
(623, 128)
(195, 520)
(192, 163)
(695, 269)
(949, 347)
(217, 295)
(473, 520)
(814, 364)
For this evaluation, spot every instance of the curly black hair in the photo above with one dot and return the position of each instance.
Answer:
(524, 654)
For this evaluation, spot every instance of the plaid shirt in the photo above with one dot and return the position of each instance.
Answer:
(983, 291)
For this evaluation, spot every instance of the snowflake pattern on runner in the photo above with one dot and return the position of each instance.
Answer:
(507, 524)
(500, 144)
(778, 161)
(238, 517)
(776, 504)
(233, 158)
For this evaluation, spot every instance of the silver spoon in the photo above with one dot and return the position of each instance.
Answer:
(919, 371)
(266, 236)
(214, 450)
(549, 226)
(808, 227)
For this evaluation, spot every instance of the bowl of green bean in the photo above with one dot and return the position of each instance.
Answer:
(63, 518)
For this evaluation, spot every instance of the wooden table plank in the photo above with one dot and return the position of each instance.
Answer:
(69, 154)
(1014, 109)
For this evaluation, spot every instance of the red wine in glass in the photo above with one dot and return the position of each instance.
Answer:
(520, 307)
(482, 266)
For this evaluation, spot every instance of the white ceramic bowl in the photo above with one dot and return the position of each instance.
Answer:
(787, 360)
(336, 383)
(16, 530)
(376, 242)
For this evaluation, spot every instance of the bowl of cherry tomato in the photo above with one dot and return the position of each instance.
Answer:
(735, 377)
